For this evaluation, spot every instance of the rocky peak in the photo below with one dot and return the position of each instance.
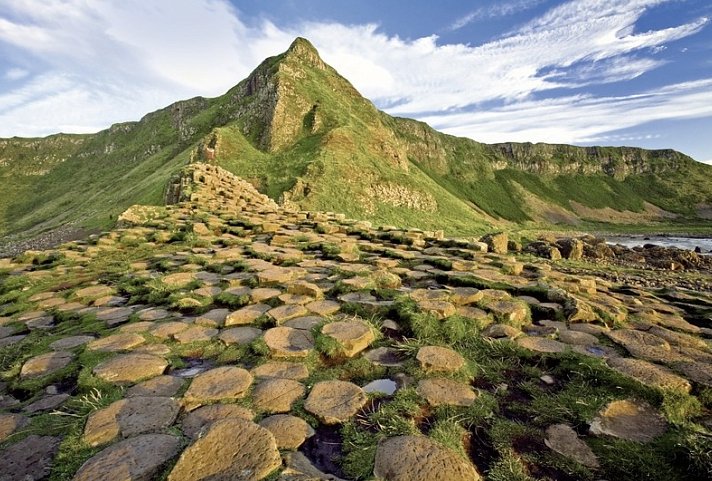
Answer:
(302, 49)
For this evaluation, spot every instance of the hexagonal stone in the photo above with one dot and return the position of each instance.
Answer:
(384, 356)
(699, 372)
(277, 395)
(288, 342)
(323, 307)
(196, 334)
(644, 345)
(440, 309)
(246, 315)
(29, 459)
(134, 459)
(165, 386)
(305, 288)
(630, 420)
(564, 440)
(196, 421)
(230, 449)
(281, 370)
(439, 359)
(129, 417)
(263, 293)
(649, 374)
(335, 402)
(167, 330)
(46, 403)
(213, 318)
(153, 314)
(130, 368)
(352, 336)
(418, 458)
(9, 423)
(577, 338)
(465, 295)
(512, 312)
(305, 323)
(113, 315)
(117, 342)
(275, 276)
(439, 391)
(240, 335)
(137, 327)
(94, 292)
(289, 432)
(46, 364)
(286, 312)
(542, 344)
(219, 384)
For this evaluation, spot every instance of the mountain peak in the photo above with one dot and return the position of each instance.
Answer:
(302, 49)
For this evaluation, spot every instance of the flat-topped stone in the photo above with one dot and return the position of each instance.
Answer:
(246, 315)
(281, 370)
(196, 334)
(352, 336)
(649, 374)
(230, 449)
(335, 402)
(288, 342)
(213, 318)
(129, 417)
(630, 420)
(29, 459)
(9, 423)
(281, 314)
(442, 391)
(384, 356)
(289, 432)
(167, 330)
(419, 458)
(117, 342)
(135, 459)
(542, 344)
(564, 440)
(166, 386)
(277, 395)
(439, 359)
(220, 384)
(240, 335)
(46, 403)
(130, 368)
(46, 364)
(196, 421)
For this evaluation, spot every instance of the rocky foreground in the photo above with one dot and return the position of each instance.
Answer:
(226, 338)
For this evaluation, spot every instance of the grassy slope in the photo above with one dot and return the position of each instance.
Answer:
(327, 148)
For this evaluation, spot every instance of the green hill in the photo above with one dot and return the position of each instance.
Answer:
(303, 135)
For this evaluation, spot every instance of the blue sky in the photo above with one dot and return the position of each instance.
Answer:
(587, 72)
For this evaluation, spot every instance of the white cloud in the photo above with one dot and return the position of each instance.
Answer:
(103, 62)
(578, 119)
(501, 9)
(16, 73)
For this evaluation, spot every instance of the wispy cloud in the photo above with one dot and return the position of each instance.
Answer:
(502, 9)
(579, 119)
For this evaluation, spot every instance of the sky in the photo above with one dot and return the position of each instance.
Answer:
(584, 72)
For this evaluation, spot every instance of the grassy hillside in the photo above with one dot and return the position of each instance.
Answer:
(303, 135)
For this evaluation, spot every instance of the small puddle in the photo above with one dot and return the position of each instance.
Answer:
(193, 368)
(385, 386)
